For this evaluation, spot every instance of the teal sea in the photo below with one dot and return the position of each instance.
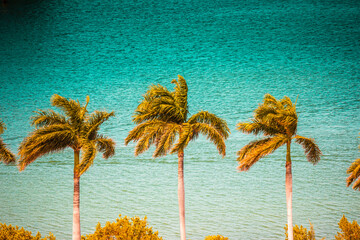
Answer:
(231, 53)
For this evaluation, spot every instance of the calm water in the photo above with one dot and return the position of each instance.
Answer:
(231, 53)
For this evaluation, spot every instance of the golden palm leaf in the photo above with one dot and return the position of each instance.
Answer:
(2, 127)
(45, 118)
(45, 140)
(354, 177)
(312, 150)
(209, 118)
(6, 156)
(213, 134)
(255, 150)
(167, 139)
(87, 157)
(106, 146)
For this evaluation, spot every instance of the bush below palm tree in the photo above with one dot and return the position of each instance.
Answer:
(124, 229)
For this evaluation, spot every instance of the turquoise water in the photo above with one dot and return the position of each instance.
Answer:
(231, 53)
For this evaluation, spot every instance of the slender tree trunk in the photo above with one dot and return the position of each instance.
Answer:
(76, 201)
(181, 194)
(288, 189)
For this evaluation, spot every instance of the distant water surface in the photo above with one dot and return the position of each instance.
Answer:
(231, 54)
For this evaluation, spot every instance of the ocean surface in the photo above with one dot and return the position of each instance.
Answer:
(231, 53)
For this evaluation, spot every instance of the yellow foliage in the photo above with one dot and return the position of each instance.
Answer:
(14, 233)
(349, 231)
(217, 237)
(124, 229)
(301, 233)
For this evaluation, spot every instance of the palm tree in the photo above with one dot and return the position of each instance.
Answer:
(76, 129)
(6, 156)
(277, 120)
(354, 171)
(162, 120)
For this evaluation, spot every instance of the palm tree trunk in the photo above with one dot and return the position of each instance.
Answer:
(181, 194)
(288, 189)
(76, 201)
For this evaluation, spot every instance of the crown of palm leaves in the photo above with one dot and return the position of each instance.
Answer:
(162, 117)
(76, 129)
(277, 120)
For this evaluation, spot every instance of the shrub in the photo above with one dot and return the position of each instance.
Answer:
(301, 233)
(124, 229)
(14, 233)
(349, 231)
(217, 237)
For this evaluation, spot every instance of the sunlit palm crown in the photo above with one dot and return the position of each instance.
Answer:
(354, 171)
(162, 120)
(76, 129)
(6, 156)
(277, 121)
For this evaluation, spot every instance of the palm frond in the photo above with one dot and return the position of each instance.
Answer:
(143, 113)
(354, 171)
(271, 101)
(145, 142)
(72, 109)
(274, 121)
(312, 150)
(180, 95)
(162, 108)
(209, 118)
(6, 156)
(167, 111)
(264, 111)
(279, 115)
(2, 127)
(212, 134)
(255, 127)
(106, 146)
(48, 139)
(140, 130)
(95, 120)
(186, 134)
(255, 150)
(251, 147)
(290, 119)
(45, 118)
(356, 185)
(289, 122)
(159, 103)
(166, 140)
(88, 156)
(157, 91)
(149, 137)
(287, 103)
